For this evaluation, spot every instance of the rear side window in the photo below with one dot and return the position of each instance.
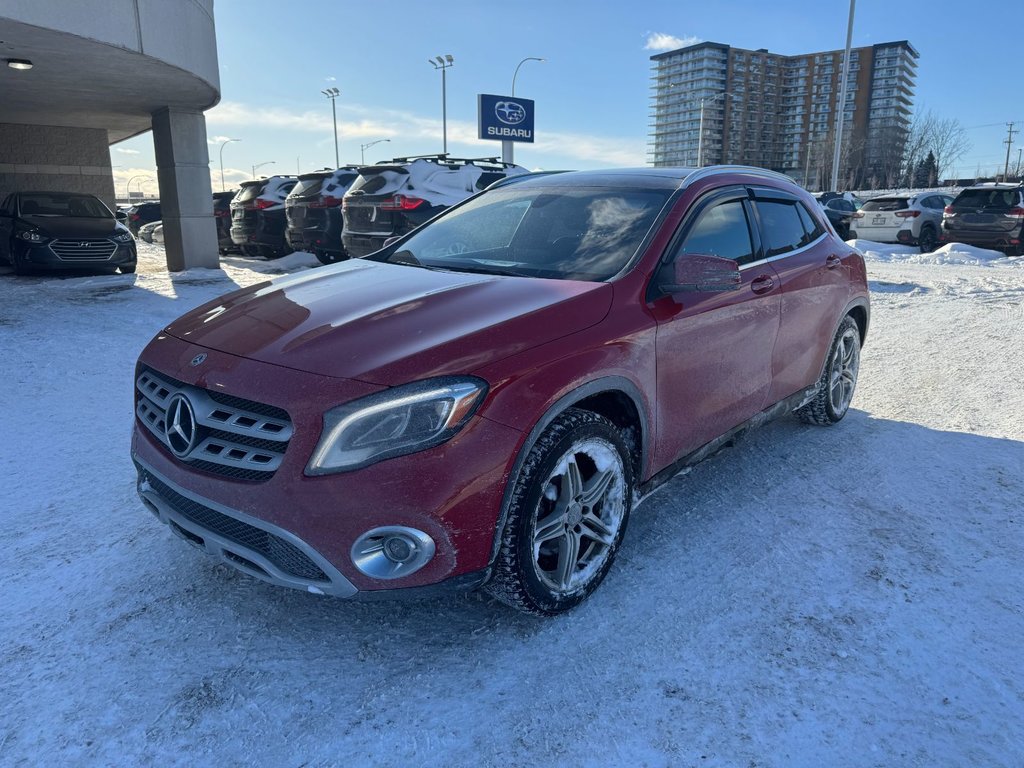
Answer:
(781, 226)
(886, 204)
(987, 198)
(721, 231)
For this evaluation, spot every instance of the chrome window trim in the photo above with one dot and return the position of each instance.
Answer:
(785, 255)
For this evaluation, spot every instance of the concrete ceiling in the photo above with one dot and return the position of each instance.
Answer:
(77, 82)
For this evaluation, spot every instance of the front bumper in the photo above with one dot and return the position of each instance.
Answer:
(452, 492)
(44, 256)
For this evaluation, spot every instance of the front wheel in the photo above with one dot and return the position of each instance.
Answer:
(567, 516)
(837, 383)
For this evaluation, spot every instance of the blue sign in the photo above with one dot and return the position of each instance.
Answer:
(505, 118)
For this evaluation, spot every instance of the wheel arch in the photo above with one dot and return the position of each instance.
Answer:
(616, 398)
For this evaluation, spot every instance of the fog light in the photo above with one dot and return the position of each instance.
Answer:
(392, 552)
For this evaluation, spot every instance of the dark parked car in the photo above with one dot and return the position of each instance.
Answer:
(61, 230)
(258, 218)
(142, 214)
(988, 216)
(222, 216)
(483, 401)
(313, 208)
(391, 199)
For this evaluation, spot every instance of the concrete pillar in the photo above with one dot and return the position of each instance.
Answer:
(186, 199)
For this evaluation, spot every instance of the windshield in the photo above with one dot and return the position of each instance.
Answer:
(59, 204)
(572, 233)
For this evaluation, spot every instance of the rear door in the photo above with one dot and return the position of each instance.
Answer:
(376, 185)
(815, 283)
(714, 350)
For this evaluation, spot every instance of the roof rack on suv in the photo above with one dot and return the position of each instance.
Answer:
(444, 158)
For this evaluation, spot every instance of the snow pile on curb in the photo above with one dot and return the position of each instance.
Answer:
(951, 253)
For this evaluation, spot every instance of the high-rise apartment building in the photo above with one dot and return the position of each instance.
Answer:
(779, 112)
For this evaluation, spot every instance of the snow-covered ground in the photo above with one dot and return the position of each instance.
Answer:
(813, 597)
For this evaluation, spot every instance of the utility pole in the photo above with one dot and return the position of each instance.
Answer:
(1008, 143)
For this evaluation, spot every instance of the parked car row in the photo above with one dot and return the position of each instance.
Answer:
(908, 219)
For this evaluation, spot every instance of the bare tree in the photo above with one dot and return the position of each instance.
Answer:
(949, 142)
(916, 146)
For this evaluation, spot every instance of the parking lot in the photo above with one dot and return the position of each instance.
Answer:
(844, 596)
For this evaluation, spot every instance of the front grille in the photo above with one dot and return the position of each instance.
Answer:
(281, 553)
(224, 435)
(83, 250)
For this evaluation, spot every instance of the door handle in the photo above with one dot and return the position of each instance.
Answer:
(762, 284)
(833, 261)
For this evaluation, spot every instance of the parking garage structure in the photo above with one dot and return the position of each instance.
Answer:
(76, 77)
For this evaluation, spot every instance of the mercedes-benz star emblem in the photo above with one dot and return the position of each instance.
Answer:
(180, 426)
(198, 359)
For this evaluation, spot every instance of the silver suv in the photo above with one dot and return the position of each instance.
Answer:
(909, 219)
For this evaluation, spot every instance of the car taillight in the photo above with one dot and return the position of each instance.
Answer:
(326, 202)
(947, 211)
(402, 203)
(908, 214)
(1016, 213)
(220, 214)
(857, 215)
(135, 217)
(262, 203)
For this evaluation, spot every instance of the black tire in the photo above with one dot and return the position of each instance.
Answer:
(520, 578)
(928, 240)
(127, 269)
(826, 409)
(324, 257)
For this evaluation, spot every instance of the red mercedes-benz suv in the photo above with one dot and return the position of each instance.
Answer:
(482, 402)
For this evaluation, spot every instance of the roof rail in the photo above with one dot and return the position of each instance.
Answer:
(447, 159)
(714, 170)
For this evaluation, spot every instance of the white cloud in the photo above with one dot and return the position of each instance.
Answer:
(355, 122)
(659, 41)
(126, 151)
(331, 79)
(217, 139)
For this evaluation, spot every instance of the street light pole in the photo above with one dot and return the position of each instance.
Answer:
(364, 147)
(700, 127)
(332, 94)
(128, 186)
(443, 63)
(508, 147)
(226, 141)
(260, 165)
(841, 100)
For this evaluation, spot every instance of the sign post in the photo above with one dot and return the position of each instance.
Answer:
(507, 119)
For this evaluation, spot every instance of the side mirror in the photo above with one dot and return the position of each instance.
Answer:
(694, 273)
(121, 216)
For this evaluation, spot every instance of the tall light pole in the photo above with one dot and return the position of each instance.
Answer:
(144, 179)
(260, 165)
(508, 147)
(841, 101)
(128, 186)
(443, 63)
(226, 141)
(700, 128)
(332, 94)
(364, 147)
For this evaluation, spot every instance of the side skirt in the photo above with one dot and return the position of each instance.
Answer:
(781, 408)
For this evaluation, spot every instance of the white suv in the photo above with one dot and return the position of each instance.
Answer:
(909, 219)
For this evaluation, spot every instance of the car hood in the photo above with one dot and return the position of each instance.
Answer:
(389, 324)
(74, 227)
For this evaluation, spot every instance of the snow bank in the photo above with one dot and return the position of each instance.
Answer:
(951, 253)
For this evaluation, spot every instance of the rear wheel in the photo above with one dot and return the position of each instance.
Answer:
(838, 382)
(927, 240)
(567, 517)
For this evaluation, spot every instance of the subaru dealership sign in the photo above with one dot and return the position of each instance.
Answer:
(505, 118)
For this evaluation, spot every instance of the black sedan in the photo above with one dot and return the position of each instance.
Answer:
(61, 230)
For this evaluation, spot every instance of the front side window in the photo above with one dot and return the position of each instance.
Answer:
(721, 231)
(566, 233)
(781, 226)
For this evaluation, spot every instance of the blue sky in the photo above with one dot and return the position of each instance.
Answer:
(592, 93)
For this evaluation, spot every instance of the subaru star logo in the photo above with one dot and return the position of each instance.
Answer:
(198, 359)
(509, 112)
(180, 427)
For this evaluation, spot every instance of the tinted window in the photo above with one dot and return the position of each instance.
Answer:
(780, 223)
(812, 227)
(987, 198)
(841, 205)
(886, 204)
(307, 187)
(721, 231)
(249, 192)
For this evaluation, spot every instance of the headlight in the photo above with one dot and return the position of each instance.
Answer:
(124, 237)
(30, 236)
(395, 422)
